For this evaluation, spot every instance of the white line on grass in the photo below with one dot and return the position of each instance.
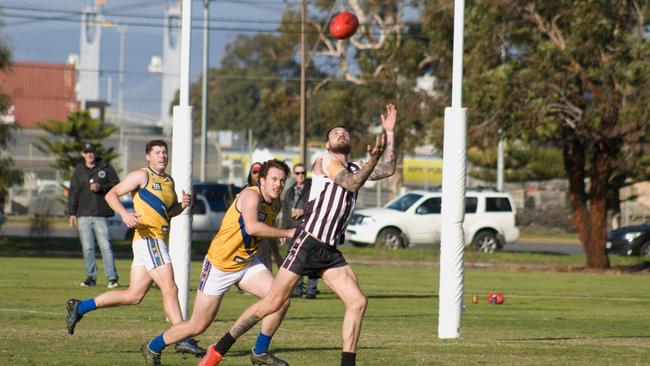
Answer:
(28, 311)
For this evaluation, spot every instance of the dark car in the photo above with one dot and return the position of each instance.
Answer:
(219, 196)
(630, 240)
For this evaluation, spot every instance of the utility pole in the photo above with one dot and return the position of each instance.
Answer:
(120, 98)
(204, 90)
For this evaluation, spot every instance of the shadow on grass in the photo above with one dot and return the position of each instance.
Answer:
(287, 350)
(401, 296)
(550, 339)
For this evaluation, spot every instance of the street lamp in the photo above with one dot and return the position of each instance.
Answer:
(204, 89)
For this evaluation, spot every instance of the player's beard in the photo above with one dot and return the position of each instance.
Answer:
(341, 148)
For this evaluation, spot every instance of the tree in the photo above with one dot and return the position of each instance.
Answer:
(573, 74)
(524, 162)
(9, 175)
(66, 139)
(256, 87)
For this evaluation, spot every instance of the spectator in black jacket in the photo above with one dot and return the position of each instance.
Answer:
(88, 210)
(293, 210)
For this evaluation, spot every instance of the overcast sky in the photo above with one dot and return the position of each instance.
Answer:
(46, 30)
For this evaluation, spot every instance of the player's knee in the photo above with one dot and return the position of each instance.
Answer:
(134, 298)
(199, 327)
(359, 304)
(272, 305)
(169, 289)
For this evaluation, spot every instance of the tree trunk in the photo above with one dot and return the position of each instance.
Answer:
(595, 249)
(574, 162)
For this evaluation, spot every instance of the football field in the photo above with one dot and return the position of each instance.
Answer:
(548, 318)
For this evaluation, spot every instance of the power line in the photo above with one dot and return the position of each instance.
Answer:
(225, 77)
(157, 18)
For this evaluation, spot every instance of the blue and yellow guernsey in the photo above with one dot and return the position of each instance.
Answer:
(232, 248)
(153, 203)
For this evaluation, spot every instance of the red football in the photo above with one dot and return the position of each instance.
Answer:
(495, 298)
(343, 25)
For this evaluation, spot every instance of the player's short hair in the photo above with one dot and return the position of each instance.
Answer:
(153, 143)
(327, 135)
(273, 163)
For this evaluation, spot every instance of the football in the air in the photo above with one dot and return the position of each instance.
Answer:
(343, 25)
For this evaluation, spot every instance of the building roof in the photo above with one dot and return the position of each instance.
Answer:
(39, 91)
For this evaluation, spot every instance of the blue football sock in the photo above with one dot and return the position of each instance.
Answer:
(157, 344)
(262, 344)
(86, 306)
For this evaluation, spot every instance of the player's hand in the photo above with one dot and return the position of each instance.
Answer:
(290, 233)
(388, 121)
(72, 220)
(376, 151)
(186, 200)
(131, 220)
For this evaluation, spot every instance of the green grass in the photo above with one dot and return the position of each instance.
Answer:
(27, 246)
(549, 318)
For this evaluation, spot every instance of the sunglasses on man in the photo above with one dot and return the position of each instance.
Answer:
(299, 173)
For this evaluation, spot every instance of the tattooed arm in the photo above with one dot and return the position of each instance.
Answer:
(387, 168)
(335, 170)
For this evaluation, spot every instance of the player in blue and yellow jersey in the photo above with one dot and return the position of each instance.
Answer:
(155, 203)
(231, 260)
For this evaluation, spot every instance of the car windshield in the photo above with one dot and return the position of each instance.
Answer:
(403, 203)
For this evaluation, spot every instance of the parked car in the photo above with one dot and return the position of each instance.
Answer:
(116, 227)
(629, 240)
(414, 219)
(211, 200)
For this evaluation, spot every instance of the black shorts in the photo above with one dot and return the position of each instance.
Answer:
(310, 257)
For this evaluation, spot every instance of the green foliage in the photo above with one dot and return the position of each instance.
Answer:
(570, 74)
(9, 176)
(66, 139)
(523, 162)
(256, 87)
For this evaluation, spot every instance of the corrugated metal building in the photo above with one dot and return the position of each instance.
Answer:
(39, 91)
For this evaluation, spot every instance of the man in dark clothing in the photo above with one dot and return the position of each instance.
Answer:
(88, 210)
(293, 209)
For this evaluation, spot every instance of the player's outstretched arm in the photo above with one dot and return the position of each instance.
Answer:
(387, 167)
(353, 181)
(134, 181)
(248, 204)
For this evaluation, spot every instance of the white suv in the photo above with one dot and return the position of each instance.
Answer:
(414, 219)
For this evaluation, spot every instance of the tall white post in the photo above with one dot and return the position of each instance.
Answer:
(180, 236)
(452, 241)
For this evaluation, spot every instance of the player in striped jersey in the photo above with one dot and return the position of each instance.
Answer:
(155, 203)
(335, 183)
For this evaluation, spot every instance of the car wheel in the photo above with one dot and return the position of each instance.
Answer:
(486, 241)
(390, 238)
(645, 250)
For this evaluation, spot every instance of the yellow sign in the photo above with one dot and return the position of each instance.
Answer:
(423, 172)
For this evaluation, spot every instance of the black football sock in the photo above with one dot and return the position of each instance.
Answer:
(224, 343)
(348, 359)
